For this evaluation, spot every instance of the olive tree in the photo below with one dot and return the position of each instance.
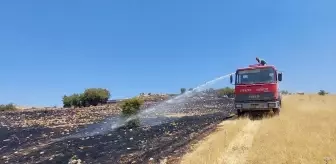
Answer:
(91, 96)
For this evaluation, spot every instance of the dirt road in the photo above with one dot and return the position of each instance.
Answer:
(305, 132)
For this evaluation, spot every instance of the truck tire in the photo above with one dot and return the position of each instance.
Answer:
(276, 111)
(240, 113)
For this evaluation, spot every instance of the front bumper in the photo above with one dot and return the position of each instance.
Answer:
(244, 106)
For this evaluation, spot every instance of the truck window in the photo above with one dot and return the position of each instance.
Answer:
(260, 75)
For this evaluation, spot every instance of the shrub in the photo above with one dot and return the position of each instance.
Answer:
(210, 90)
(226, 91)
(9, 106)
(133, 123)
(183, 90)
(322, 92)
(284, 92)
(131, 106)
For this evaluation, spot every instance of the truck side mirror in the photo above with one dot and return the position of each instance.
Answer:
(231, 79)
(280, 76)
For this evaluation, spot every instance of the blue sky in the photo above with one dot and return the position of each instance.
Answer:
(52, 48)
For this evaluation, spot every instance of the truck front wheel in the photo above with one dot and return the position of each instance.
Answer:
(240, 113)
(276, 111)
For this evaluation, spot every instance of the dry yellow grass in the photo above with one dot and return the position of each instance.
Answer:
(213, 146)
(305, 132)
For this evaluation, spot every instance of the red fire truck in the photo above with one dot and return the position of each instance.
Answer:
(257, 89)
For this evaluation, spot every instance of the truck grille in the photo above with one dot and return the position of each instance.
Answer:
(267, 96)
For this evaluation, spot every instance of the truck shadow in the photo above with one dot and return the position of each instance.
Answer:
(257, 115)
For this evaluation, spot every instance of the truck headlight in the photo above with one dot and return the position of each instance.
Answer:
(238, 105)
(271, 105)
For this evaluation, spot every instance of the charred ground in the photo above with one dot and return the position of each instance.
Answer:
(159, 138)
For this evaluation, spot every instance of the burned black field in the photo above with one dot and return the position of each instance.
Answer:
(159, 139)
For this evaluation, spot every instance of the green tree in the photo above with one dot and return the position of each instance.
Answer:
(226, 91)
(190, 89)
(91, 96)
(183, 90)
(94, 96)
(83, 101)
(75, 100)
(66, 101)
(9, 106)
(71, 101)
(322, 92)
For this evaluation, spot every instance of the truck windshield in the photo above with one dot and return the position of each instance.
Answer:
(259, 75)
